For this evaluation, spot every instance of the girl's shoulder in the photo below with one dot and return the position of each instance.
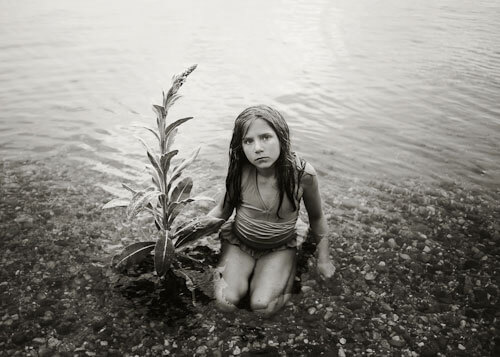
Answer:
(308, 174)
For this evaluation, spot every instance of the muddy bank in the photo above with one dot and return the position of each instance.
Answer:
(417, 274)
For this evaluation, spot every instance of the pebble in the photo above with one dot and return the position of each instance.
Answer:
(39, 340)
(392, 243)
(342, 341)
(461, 347)
(404, 256)
(236, 351)
(311, 310)
(328, 316)
(370, 276)
(427, 249)
(341, 352)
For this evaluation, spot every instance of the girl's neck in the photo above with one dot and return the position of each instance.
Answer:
(266, 173)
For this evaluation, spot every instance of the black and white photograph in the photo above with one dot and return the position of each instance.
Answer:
(249, 178)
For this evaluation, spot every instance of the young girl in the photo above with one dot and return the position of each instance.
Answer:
(265, 184)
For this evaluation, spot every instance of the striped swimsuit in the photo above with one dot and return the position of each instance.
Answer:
(256, 229)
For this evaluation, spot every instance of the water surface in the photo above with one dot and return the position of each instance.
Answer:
(371, 89)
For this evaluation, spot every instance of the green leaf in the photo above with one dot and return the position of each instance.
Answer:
(175, 124)
(195, 229)
(181, 190)
(133, 254)
(178, 170)
(164, 254)
(153, 158)
(165, 160)
(117, 202)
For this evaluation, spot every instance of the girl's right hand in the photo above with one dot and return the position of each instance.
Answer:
(326, 269)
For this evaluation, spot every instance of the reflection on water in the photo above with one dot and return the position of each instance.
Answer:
(369, 88)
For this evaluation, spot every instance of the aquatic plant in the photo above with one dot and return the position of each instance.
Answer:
(165, 197)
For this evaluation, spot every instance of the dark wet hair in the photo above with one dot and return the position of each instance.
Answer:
(287, 171)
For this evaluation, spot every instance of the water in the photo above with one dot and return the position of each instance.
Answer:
(371, 89)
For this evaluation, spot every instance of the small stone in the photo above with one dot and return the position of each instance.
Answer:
(427, 249)
(358, 258)
(328, 316)
(370, 276)
(236, 351)
(396, 341)
(404, 256)
(201, 350)
(53, 342)
(391, 243)
(341, 352)
(39, 340)
(461, 347)
(311, 310)
(342, 341)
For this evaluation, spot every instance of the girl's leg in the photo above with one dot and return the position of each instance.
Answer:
(272, 281)
(231, 276)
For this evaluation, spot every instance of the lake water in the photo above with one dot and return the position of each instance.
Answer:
(371, 89)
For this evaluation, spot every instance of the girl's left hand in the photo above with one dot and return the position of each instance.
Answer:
(326, 269)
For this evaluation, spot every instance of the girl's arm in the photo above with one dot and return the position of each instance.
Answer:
(317, 221)
(221, 210)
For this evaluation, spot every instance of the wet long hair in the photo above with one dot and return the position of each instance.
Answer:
(288, 172)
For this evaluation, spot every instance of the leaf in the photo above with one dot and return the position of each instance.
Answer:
(189, 283)
(117, 202)
(174, 208)
(159, 110)
(152, 131)
(195, 229)
(156, 178)
(140, 200)
(127, 187)
(171, 139)
(178, 170)
(175, 124)
(182, 190)
(165, 160)
(133, 254)
(164, 254)
(152, 158)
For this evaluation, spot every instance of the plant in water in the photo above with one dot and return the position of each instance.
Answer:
(165, 197)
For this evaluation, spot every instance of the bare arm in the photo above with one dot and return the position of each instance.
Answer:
(317, 222)
(221, 210)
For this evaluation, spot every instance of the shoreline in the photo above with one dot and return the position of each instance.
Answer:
(417, 274)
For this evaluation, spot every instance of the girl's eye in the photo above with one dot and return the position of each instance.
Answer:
(247, 141)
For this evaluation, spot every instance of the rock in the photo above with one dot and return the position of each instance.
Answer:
(358, 259)
(404, 256)
(311, 310)
(370, 276)
(391, 243)
(20, 337)
(396, 341)
(341, 352)
(236, 351)
(53, 342)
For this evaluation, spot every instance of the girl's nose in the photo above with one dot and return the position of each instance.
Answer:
(258, 147)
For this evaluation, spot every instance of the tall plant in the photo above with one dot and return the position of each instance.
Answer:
(166, 196)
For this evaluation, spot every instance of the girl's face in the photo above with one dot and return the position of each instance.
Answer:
(261, 145)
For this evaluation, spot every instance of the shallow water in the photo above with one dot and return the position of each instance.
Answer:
(370, 89)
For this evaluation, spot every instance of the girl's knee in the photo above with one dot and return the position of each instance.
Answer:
(228, 297)
(265, 305)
